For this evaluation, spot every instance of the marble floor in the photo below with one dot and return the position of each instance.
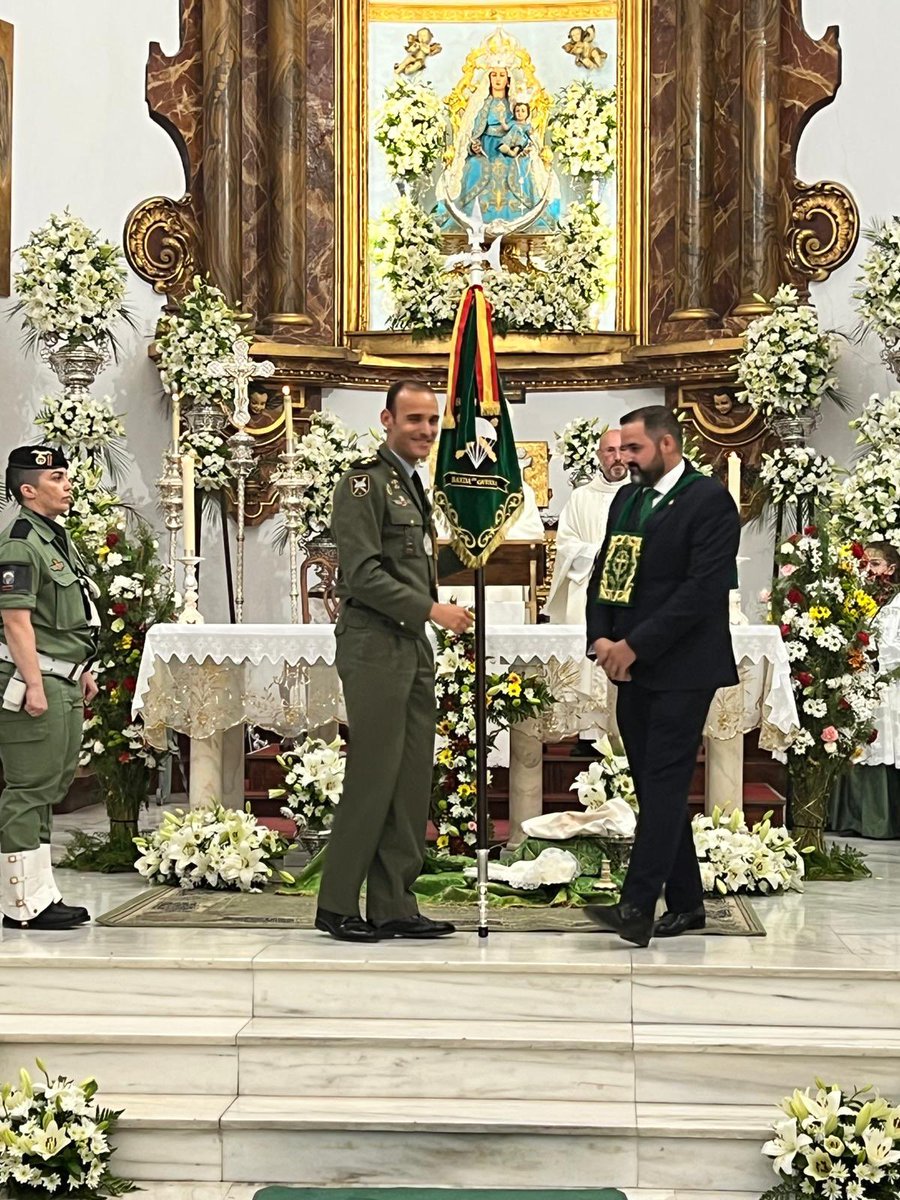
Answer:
(658, 1064)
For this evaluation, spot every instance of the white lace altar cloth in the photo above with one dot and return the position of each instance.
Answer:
(204, 679)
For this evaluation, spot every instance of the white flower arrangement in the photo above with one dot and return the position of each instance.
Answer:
(211, 847)
(324, 453)
(735, 858)
(879, 293)
(56, 1140)
(83, 422)
(577, 442)
(71, 285)
(607, 778)
(576, 273)
(202, 331)
(213, 470)
(833, 1144)
(868, 503)
(410, 127)
(582, 129)
(797, 473)
(787, 366)
(313, 782)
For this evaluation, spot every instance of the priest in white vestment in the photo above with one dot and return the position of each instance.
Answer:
(580, 533)
(579, 536)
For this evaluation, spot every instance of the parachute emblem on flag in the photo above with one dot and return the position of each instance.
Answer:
(483, 446)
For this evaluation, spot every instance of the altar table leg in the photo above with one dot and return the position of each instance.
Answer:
(233, 767)
(526, 779)
(206, 769)
(724, 773)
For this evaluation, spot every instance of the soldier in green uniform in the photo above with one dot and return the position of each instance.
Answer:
(48, 638)
(387, 583)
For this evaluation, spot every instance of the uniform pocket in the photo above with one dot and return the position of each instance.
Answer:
(19, 727)
(69, 602)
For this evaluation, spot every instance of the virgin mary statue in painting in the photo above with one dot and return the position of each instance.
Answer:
(499, 114)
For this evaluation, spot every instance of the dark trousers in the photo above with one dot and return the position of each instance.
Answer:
(378, 835)
(661, 732)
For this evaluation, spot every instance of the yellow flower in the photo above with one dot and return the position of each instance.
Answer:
(443, 841)
(445, 757)
(465, 790)
(514, 678)
(866, 605)
(515, 689)
(103, 551)
(819, 612)
(125, 641)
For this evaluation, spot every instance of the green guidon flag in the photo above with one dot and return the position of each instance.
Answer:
(477, 483)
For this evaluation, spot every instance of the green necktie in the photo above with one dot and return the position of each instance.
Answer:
(647, 502)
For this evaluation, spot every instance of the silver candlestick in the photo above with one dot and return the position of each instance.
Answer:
(291, 485)
(170, 497)
(190, 613)
(243, 462)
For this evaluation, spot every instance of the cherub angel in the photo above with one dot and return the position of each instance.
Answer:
(420, 46)
(581, 45)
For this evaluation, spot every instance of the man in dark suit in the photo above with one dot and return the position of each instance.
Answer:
(657, 623)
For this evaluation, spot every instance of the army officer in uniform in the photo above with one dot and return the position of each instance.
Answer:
(381, 523)
(48, 639)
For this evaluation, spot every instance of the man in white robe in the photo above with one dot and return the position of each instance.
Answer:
(580, 533)
(579, 536)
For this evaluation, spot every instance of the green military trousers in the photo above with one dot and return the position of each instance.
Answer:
(39, 757)
(378, 835)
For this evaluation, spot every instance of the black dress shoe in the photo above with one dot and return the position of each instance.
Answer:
(75, 911)
(345, 929)
(670, 924)
(624, 919)
(54, 916)
(414, 927)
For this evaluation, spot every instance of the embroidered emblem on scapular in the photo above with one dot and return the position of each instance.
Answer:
(359, 485)
(623, 555)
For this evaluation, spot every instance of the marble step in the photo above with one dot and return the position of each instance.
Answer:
(193, 1190)
(323, 1141)
(134, 1053)
(407, 1058)
(715, 1064)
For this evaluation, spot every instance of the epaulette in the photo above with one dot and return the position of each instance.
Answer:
(370, 460)
(21, 529)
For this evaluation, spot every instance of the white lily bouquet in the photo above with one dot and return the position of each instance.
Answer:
(607, 778)
(792, 473)
(868, 502)
(203, 330)
(836, 1145)
(55, 1140)
(582, 129)
(410, 128)
(212, 454)
(71, 285)
(224, 849)
(734, 858)
(879, 293)
(787, 366)
(313, 782)
(577, 442)
(323, 455)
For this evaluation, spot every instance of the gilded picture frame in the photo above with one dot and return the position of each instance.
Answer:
(356, 115)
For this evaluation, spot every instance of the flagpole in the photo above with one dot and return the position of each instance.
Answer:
(481, 781)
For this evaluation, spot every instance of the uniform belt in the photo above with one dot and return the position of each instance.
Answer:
(49, 665)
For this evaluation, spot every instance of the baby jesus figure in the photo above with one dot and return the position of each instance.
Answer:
(517, 142)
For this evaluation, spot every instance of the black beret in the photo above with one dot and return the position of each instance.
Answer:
(34, 458)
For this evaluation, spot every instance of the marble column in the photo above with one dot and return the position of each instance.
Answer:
(724, 773)
(217, 769)
(696, 161)
(287, 162)
(526, 778)
(221, 170)
(760, 147)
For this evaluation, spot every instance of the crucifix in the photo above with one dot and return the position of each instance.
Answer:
(240, 368)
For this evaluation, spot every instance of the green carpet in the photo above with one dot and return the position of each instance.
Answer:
(167, 906)
(371, 1193)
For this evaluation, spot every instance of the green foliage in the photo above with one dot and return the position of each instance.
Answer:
(836, 864)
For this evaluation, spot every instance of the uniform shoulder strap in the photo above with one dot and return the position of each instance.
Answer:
(20, 529)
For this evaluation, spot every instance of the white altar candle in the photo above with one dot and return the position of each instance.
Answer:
(734, 478)
(176, 421)
(288, 419)
(187, 503)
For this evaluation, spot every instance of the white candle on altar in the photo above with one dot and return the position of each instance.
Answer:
(187, 503)
(176, 421)
(288, 419)
(734, 478)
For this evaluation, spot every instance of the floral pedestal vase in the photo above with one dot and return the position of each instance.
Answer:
(794, 431)
(810, 792)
